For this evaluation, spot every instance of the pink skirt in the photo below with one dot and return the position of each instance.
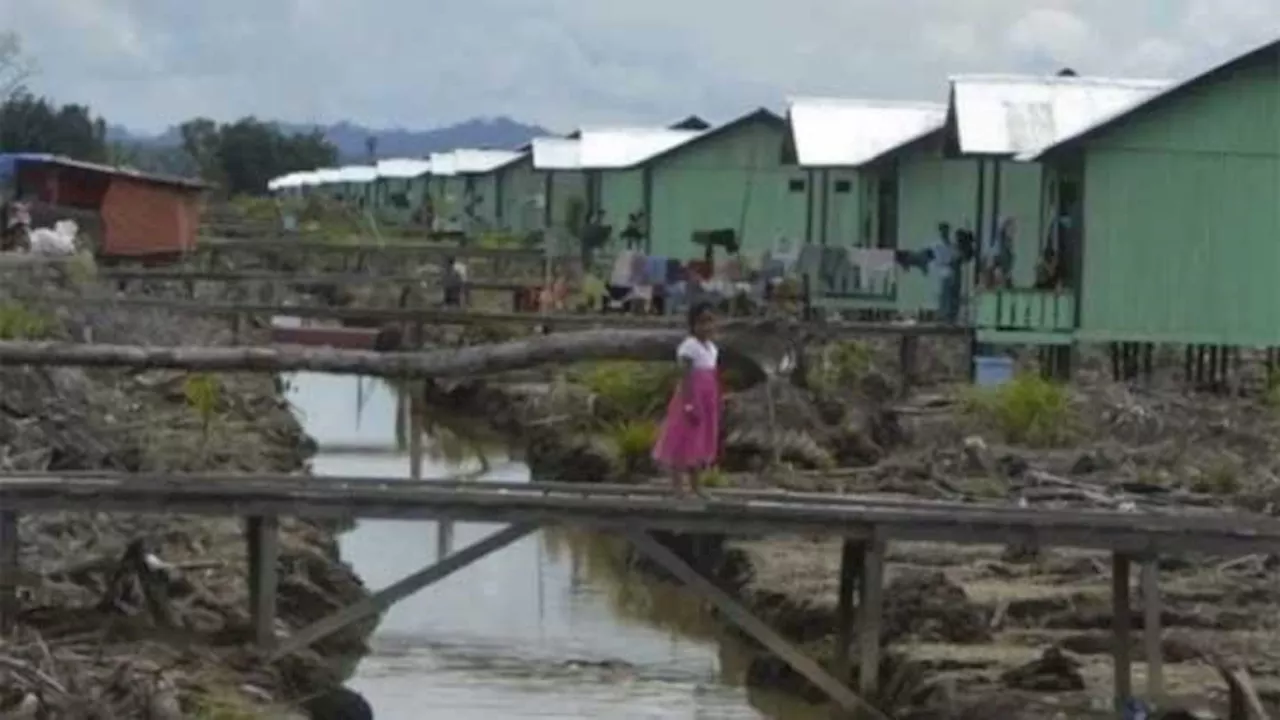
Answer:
(688, 443)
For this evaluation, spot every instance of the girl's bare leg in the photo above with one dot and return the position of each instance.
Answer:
(695, 485)
(677, 483)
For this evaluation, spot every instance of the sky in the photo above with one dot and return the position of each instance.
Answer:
(147, 64)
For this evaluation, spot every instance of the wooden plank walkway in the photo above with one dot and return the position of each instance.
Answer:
(614, 507)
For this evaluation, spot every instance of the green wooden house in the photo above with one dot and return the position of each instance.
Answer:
(477, 182)
(865, 169)
(639, 172)
(557, 166)
(445, 191)
(729, 177)
(1177, 199)
(994, 123)
(517, 190)
(400, 190)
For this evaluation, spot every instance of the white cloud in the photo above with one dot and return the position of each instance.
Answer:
(149, 63)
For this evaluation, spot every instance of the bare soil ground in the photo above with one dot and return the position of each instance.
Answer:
(978, 617)
(984, 631)
(88, 648)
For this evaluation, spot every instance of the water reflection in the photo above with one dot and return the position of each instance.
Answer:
(552, 626)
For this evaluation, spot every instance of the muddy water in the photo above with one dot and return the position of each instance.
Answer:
(549, 627)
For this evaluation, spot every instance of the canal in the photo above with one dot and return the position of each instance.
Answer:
(552, 626)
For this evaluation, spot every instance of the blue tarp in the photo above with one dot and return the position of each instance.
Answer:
(9, 162)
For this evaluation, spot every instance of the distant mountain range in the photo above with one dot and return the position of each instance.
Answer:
(351, 139)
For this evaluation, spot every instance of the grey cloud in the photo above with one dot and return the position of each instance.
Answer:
(149, 63)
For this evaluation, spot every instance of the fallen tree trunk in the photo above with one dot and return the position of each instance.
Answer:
(657, 345)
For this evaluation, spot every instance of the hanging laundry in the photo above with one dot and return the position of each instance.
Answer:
(622, 269)
(699, 268)
(655, 271)
(675, 271)
(593, 289)
(809, 261)
(638, 264)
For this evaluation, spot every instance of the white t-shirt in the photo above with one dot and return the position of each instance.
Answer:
(704, 356)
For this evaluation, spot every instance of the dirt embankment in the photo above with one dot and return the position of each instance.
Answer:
(91, 644)
(981, 629)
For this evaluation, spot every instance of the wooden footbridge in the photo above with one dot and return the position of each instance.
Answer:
(866, 525)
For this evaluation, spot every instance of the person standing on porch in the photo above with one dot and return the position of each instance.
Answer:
(689, 440)
(944, 262)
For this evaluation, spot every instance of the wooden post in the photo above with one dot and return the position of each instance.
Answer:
(1151, 609)
(870, 610)
(9, 547)
(907, 361)
(400, 590)
(238, 328)
(850, 553)
(1120, 622)
(263, 536)
(444, 539)
(415, 431)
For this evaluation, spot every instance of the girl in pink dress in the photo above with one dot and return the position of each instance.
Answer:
(689, 439)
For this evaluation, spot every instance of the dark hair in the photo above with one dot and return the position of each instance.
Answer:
(695, 311)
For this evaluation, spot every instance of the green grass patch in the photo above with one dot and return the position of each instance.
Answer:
(634, 440)
(1027, 410)
(17, 322)
(626, 390)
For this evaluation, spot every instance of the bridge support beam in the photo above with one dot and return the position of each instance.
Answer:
(390, 595)
(870, 614)
(753, 626)
(1152, 608)
(842, 664)
(9, 546)
(262, 535)
(1121, 621)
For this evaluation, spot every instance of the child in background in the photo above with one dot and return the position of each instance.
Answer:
(689, 439)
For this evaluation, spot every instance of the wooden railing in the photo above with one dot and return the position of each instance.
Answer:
(1039, 311)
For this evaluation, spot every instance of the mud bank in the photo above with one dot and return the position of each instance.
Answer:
(986, 631)
(104, 646)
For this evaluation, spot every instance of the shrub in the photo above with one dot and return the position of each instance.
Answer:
(203, 393)
(500, 240)
(845, 364)
(634, 440)
(19, 323)
(627, 390)
(713, 478)
(1027, 410)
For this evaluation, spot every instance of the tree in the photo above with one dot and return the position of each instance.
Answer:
(15, 66)
(31, 124)
(243, 156)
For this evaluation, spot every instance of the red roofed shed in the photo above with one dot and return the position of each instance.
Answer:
(143, 216)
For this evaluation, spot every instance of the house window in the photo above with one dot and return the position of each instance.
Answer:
(796, 185)
(844, 187)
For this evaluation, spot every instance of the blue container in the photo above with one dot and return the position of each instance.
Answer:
(992, 370)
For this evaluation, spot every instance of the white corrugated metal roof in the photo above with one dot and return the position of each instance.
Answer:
(322, 176)
(443, 164)
(1020, 114)
(556, 153)
(356, 174)
(403, 167)
(611, 148)
(469, 161)
(1169, 89)
(840, 132)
